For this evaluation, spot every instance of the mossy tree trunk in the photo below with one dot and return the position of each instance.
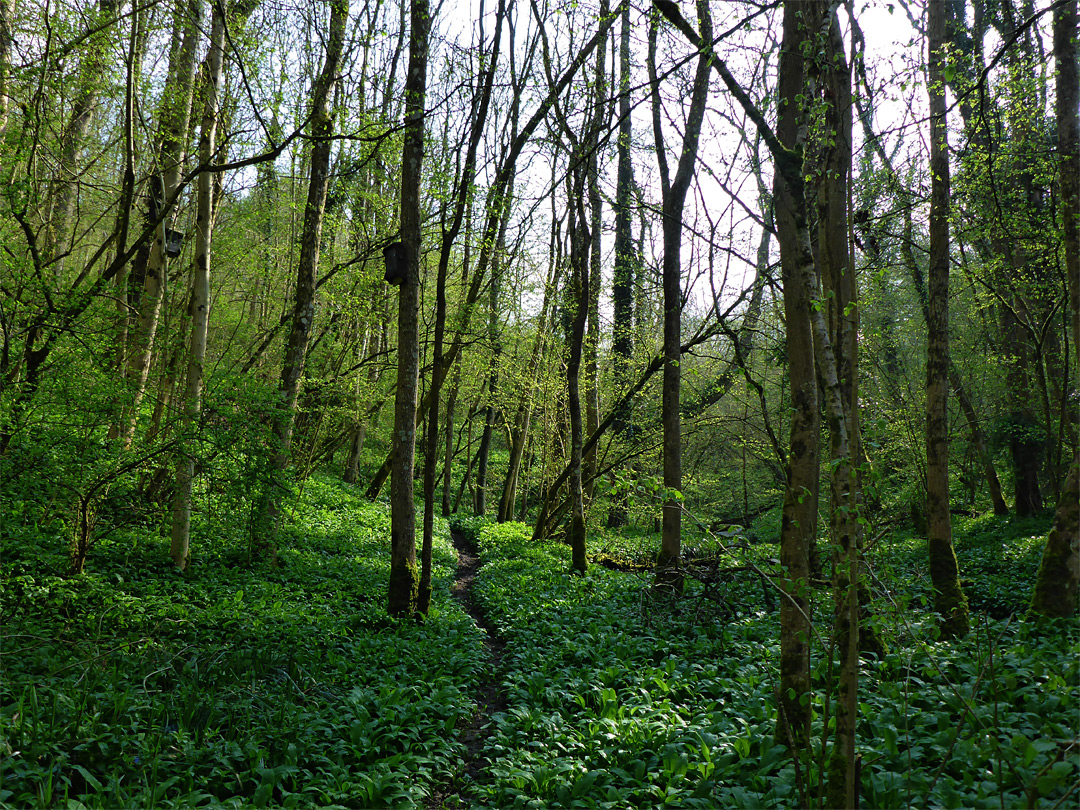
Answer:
(1058, 582)
(949, 600)
(799, 517)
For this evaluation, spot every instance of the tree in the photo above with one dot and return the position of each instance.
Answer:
(674, 199)
(1058, 582)
(404, 576)
(200, 295)
(450, 233)
(170, 151)
(622, 286)
(303, 311)
(949, 600)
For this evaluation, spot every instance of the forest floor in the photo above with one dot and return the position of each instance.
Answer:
(244, 684)
(490, 696)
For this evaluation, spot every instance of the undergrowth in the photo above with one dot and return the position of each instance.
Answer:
(286, 685)
(237, 684)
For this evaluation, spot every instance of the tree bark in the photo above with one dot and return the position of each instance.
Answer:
(674, 200)
(1058, 583)
(303, 311)
(798, 525)
(404, 577)
(949, 600)
(180, 547)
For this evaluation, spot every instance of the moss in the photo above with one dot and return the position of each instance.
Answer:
(1059, 572)
(404, 589)
(949, 599)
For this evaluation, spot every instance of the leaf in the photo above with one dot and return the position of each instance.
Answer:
(89, 777)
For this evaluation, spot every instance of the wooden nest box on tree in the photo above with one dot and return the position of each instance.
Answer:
(396, 259)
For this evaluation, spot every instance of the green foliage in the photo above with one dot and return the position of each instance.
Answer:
(235, 685)
(288, 685)
(617, 700)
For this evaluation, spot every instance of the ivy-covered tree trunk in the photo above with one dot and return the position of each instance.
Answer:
(798, 524)
(949, 600)
(404, 577)
(1058, 583)
(622, 285)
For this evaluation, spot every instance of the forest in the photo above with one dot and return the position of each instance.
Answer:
(539, 404)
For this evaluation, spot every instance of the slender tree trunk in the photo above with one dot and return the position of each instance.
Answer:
(171, 145)
(438, 370)
(599, 120)
(303, 313)
(799, 516)
(491, 412)
(520, 432)
(1058, 581)
(674, 200)
(579, 285)
(622, 287)
(404, 577)
(949, 600)
(180, 549)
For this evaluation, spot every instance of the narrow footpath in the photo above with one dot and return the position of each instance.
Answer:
(490, 698)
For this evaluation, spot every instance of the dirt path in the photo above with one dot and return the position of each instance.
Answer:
(490, 698)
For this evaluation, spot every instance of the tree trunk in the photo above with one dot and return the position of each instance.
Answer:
(180, 548)
(799, 516)
(1058, 582)
(404, 578)
(171, 146)
(579, 285)
(438, 370)
(303, 312)
(622, 287)
(520, 432)
(674, 200)
(491, 412)
(599, 120)
(949, 600)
